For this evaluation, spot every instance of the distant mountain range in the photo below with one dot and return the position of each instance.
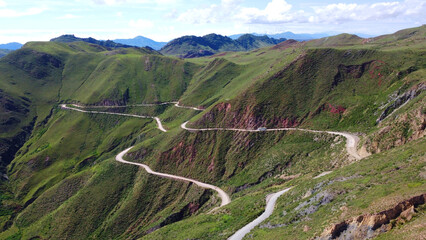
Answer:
(193, 46)
(299, 36)
(11, 46)
(71, 38)
(288, 35)
(186, 46)
(141, 41)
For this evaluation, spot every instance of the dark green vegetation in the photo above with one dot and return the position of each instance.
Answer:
(72, 38)
(192, 46)
(4, 52)
(63, 181)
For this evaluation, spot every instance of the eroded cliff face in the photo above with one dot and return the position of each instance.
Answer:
(370, 225)
(399, 129)
(247, 117)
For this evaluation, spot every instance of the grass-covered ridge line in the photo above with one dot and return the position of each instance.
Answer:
(193, 46)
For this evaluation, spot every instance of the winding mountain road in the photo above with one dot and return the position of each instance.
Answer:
(176, 104)
(225, 197)
(351, 139)
(270, 204)
(351, 147)
(159, 124)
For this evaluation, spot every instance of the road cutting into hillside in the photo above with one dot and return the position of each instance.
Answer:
(176, 104)
(351, 139)
(351, 147)
(225, 199)
(269, 209)
(159, 124)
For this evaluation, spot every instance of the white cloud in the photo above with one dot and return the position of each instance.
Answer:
(342, 12)
(211, 14)
(69, 16)
(280, 11)
(276, 11)
(109, 2)
(2, 3)
(141, 24)
(10, 13)
(119, 14)
(118, 2)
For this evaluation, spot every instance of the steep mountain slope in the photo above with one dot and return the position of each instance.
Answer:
(337, 81)
(192, 46)
(41, 74)
(64, 181)
(141, 41)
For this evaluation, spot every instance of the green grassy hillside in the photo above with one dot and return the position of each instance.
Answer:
(64, 181)
(40, 76)
(345, 89)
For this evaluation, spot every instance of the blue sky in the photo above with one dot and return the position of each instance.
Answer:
(163, 20)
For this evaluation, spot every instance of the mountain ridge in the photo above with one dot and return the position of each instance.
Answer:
(300, 36)
(193, 46)
(11, 46)
(67, 38)
(141, 41)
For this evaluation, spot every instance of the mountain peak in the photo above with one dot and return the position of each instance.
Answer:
(11, 46)
(141, 41)
(215, 43)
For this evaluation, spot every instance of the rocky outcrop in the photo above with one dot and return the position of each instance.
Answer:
(401, 100)
(402, 128)
(370, 225)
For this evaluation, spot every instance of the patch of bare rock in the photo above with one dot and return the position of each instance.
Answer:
(370, 225)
